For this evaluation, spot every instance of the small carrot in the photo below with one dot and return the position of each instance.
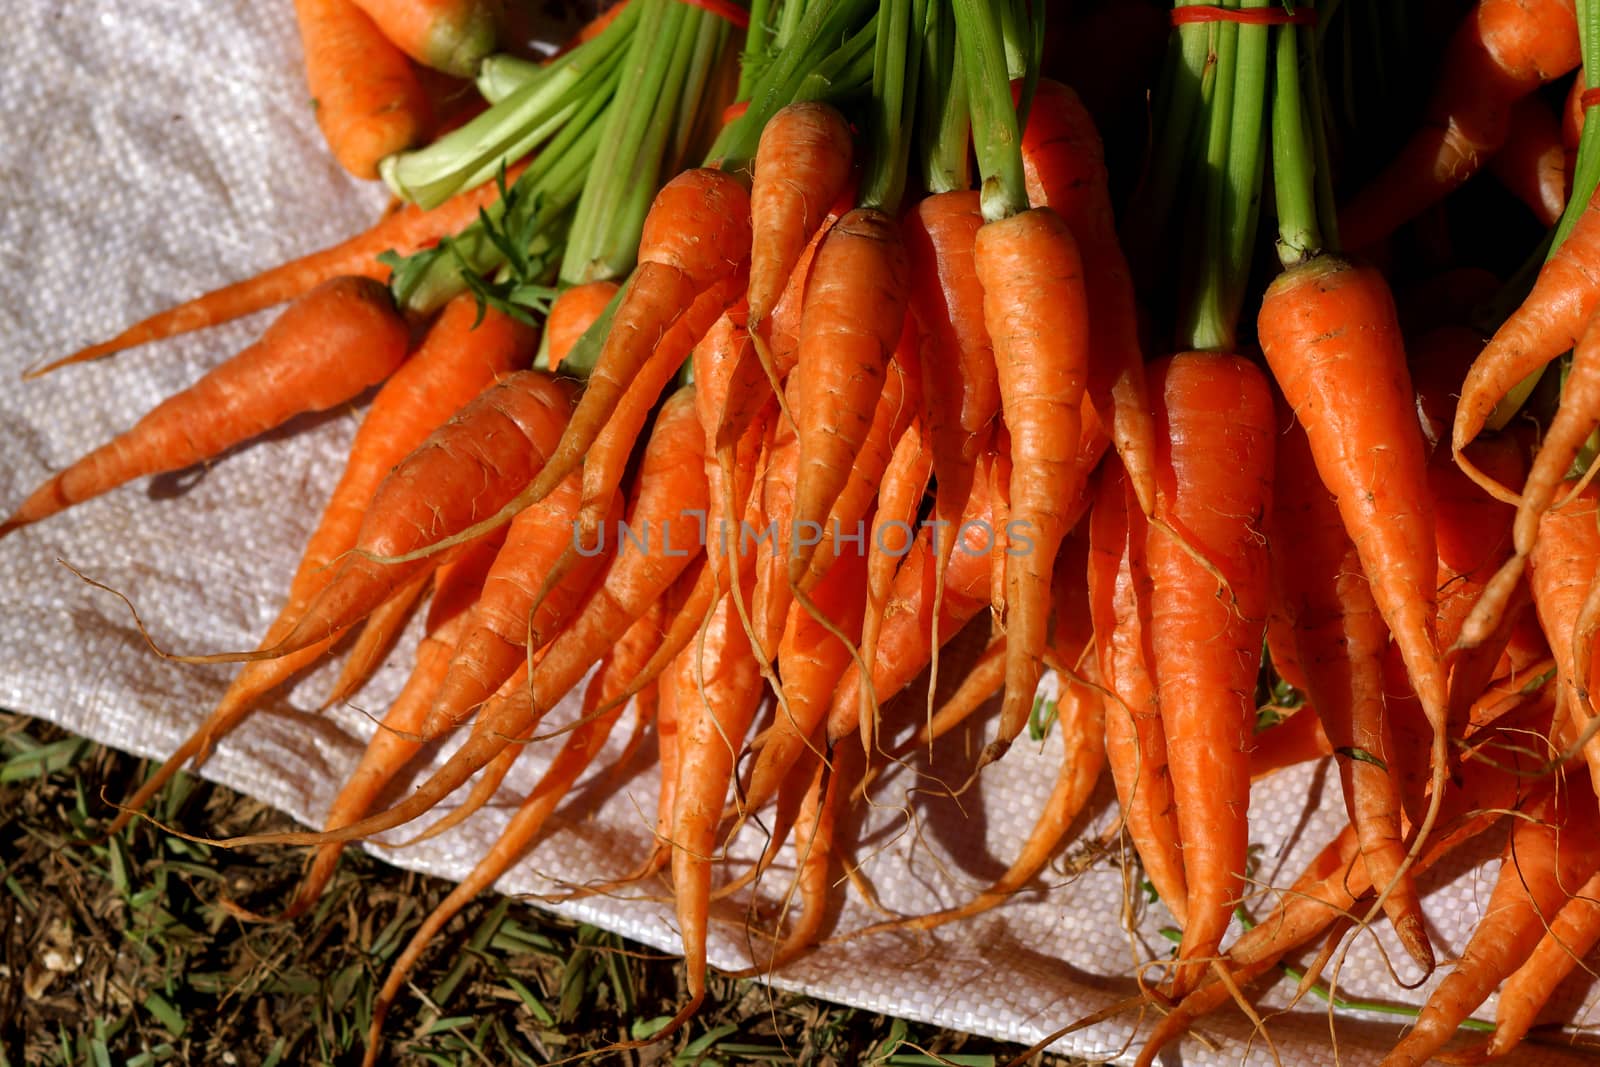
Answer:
(447, 35)
(1572, 933)
(802, 165)
(409, 229)
(1561, 573)
(1502, 51)
(454, 364)
(327, 347)
(852, 320)
(1214, 450)
(366, 97)
(1035, 307)
(571, 315)
(1136, 743)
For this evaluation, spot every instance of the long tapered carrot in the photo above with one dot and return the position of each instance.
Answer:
(454, 364)
(1063, 163)
(448, 35)
(1561, 574)
(377, 639)
(364, 94)
(1214, 447)
(1546, 324)
(1572, 933)
(577, 752)
(802, 165)
(394, 742)
(854, 310)
(408, 230)
(1340, 641)
(1136, 743)
(1501, 51)
(1555, 847)
(327, 347)
(1035, 307)
(671, 489)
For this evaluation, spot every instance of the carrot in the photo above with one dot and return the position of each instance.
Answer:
(1439, 360)
(802, 166)
(394, 743)
(978, 686)
(1136, 743)
(454, 364)
(1573, 112)
(852, 320)
(1340, 640)
(408, 230)
(1546, 324)
(1532, 163)
(465, 469)
(447, 35)
(376, 640)
(1035, 307)
(1502, 51)
(1330, 334)
(671, 487)
(326, 348)
(520, 610)
(577, 752)
(571, 315)
(719, 688)
(364, 94)
(1214, 450)
(1575, 419)
(1064, 166)
(1553, 847)
(1561, 574)
(1572, 933)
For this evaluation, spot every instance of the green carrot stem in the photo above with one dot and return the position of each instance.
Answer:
(1293, 158)
(756, 40)
(894, 76)
(996, 134)
(500, 75)
(846, 72)
(1205, 323)
(944, 122)
(1241, 206)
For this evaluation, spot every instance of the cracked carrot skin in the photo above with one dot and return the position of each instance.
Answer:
(1215, 431)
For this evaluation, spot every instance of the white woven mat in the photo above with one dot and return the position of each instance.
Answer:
(153, 151)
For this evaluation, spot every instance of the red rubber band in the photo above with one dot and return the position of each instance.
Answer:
(724, 9)
(734, 112)
(1255, 16)
(1589, 98)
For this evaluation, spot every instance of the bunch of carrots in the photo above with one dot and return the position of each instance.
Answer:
(743, 445)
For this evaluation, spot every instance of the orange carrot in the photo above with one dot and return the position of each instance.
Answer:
(1136, 742)
(1340, 641)
(1035, 307)
(571, 315)
(329, 345)
(448, 35)
(1532, 163)
(671, 488)
(1214, 448)
(1561, 573)
(577, 752)
(1553, 847)
(852, 320)
(1064, 166)
(394, 743)
(454, 364)
(465, 469)
(408, 230)
(1297, 739)
(802, 165)
(1572, 933)
(364, 94)
(1573, 112)
(1502, 51)
(1546, 324)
